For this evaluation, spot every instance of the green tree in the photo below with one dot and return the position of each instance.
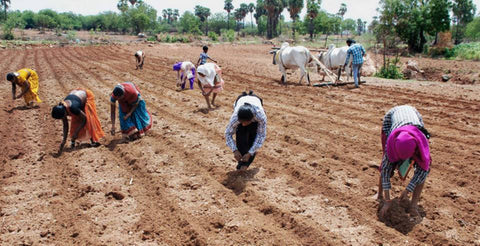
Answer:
(294, 7)
(473, 29)
(142, 17)
(5, 5)
(274, 9)
(251, 8)
(341, 12)
(408, 19)
(244, 12)
(463, 13)
(203, 13)
(349, 25)
(438, 17)
(228, 7)
(189, 23)
(313, 7)
(122, 5)
(360, 27)
(28, 17)
(237, 14)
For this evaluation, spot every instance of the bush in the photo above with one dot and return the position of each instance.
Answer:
(391, 71)
(468, 51)
(71, 35)
(8, 36)
(152, 39)
(213, 36)
(228, 35)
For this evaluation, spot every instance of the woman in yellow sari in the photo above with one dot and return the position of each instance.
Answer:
(27, 79)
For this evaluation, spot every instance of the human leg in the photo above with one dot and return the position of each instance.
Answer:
(355, 74)
(213, 99)
(245, 136)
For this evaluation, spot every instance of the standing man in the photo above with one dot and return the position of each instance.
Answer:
(140, 59)
(404, 138)
(249, 123)
(357, 52)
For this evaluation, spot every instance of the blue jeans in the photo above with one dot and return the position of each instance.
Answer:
(356, 71)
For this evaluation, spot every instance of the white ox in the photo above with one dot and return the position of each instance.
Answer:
(334, 59)
(292, 58)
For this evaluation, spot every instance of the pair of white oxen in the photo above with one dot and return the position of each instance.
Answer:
(300, 57)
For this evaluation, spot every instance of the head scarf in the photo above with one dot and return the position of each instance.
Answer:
(188, 67)
(10, 76)
(208, 70)
(409, 142)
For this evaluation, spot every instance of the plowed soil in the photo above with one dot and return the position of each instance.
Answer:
(312, 183)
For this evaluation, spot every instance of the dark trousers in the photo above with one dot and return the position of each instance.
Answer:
(245, 136)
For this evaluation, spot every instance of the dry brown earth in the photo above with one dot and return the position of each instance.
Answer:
(313, 182)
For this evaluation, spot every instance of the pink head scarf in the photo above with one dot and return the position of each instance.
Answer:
(409, 142)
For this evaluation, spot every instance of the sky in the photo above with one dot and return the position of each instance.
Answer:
(363, 9)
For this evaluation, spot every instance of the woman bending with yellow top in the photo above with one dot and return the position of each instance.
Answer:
(27, 79)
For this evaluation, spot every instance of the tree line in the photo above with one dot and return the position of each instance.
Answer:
(408, 21)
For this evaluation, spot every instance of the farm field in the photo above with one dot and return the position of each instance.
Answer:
(313, 182)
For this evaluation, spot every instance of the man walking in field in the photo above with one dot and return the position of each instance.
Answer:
(249, 123)
(357, 52)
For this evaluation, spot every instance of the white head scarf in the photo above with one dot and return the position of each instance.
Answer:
(187, 68)
(207, 69)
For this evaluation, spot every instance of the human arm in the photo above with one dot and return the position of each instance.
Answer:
(201, 87)
(14, 90)
(134, 107)
(385, 172)
(113, 108)
(230, 130)
(347, 59)
(261, 131)
(27, 87)
(208, 57)
(65, 133)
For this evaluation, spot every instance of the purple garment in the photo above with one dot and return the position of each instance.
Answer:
(409, 142)
(177, 67)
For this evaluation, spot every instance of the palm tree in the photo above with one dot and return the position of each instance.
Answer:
(165, 14)
(341, 13)
(237, 14)
(251, 8)
(243, 11)
(274, 9)
(176, 14)
(294, 7)
(5, 4)
(313, 7)
(122, 5)
(203, 13)
(228, 7)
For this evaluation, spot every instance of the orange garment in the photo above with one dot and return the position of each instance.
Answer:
(93, 128)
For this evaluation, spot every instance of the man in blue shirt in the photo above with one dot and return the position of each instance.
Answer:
(357, 52)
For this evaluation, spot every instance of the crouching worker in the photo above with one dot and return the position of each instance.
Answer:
(210, 81)
(139, 59)
(249, 123)
(185, 71)
(27, 80)
(404, 139)
(80, 106)
(133, 115)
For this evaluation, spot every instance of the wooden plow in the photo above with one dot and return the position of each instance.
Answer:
(331, 75)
